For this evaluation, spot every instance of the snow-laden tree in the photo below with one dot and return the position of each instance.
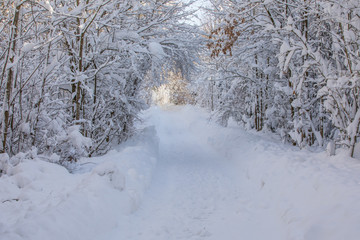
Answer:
(342, 70)
(240, 38)
(72, 70)
(320, 50)
(288, 66)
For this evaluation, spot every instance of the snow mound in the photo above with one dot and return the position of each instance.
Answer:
(42, 200)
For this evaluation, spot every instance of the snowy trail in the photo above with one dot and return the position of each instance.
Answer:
(205, 182)
(189, 185)
(216, 183)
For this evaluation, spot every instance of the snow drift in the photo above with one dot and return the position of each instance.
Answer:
(42, 200)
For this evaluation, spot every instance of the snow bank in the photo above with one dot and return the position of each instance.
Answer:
(312, 196)
(42, 200)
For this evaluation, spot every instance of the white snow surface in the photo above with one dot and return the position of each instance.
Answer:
(209, 182)
(42, 200)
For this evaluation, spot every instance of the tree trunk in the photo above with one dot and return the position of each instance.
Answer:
(10, 79)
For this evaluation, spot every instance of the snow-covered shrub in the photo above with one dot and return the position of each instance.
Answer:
(72, 144)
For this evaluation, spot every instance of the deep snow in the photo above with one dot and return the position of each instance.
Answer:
(209, 182)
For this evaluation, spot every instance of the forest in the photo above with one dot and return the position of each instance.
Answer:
(286, 66)
(75, 74)
(179, 119)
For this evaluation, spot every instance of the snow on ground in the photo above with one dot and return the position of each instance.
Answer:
(209, 182)
(41, 200)
(217, 183)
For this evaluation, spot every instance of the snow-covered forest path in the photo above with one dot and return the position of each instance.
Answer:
(217, 183)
